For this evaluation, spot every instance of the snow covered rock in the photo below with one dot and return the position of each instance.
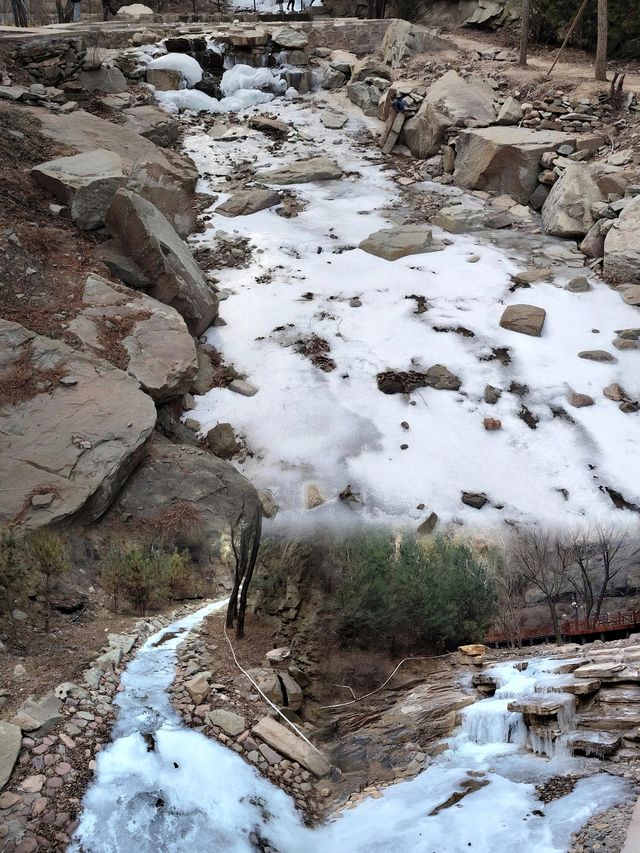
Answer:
(150, 240)
(451, 101)
(567, 210)
(135, 10)
(401, 240)
(85, 183)
(526, 319)
(303, 172)
(158, 349)
(186, 66)
(622, 246)
(78, 438)
(289, 38)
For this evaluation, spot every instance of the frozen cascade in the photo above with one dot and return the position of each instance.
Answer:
(191, 793)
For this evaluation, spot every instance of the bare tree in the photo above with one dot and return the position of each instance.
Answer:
(603, 36)
(510, 586)
(20, 13)
(544, 560)
(245, 542)
(581, 577)
(525, 26)
(615, 549)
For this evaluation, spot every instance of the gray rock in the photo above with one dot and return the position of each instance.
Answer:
(442, 379)
(246, 202)
(150, 240)
(85, 183)
(401, 240)
(365, 96)
(10, 742)
(92, 677)
(450, 101)
(333, 121)
(622, 246)
(154, 124)
(111, 81)
(165, 79)
(510, 112)
(161, 352)
(230, 723)
(597, 355)
(567, 210)
(241, 386)
(333, 79)
(526, 319)
(476, 500)
(505, 159)
(39, 717)
(288, 37)
(211, 491)
(83, 439)
(109, 659)
(222, 442)
(579, 284)
(121, 266)
(461, 218)
(593, 244)
(289, 744)
(491, 394)
(302, 172)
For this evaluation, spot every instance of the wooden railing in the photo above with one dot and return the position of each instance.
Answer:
(574, 627)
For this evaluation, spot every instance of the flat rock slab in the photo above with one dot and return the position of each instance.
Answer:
(154, 124)
(86, 183)
(333, 121)
(161, 352)
(230, 723)
(526, 319)
(246, 202)
(539, 705)
(600, 670)
(284, 741)
(402, 240)
(303, 172)
(151, 241)
(601, 744)
(288, 37)
(10, 742)
(40, 716)
(75, 431)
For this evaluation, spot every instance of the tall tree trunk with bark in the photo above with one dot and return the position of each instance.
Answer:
(603, 35)
(524, 32)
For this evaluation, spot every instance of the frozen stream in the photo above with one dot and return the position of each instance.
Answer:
(190, 793)
(336, 429)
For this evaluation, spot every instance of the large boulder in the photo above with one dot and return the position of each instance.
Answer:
(287, 743)
(210, 493)
(401, 240)
(150, 240)
(173, 193)
(302, 172)
(506, 160)
(39, 716)
(150, 339)
(10, 742)
(369, 66)
(622, 246)
(567, 209)
(72, 429)
(85, 183)
(365, 96)
(450, 102)
(108, 80)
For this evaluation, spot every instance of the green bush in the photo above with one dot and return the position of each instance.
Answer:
(407, 595)
(147, 575)
(553, 19)
(13, 573)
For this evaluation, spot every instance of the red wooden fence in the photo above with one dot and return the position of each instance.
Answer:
(575, 627)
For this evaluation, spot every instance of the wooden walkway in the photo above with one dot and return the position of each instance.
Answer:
(580, 630)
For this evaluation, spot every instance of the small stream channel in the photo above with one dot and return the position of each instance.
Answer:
(179, 791)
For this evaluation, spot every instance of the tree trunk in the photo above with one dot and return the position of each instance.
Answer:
(555, 622)
(248, 574)
(603, 34)
(524, 31)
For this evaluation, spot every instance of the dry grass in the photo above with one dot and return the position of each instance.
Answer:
(22, 380)
(112, 331)
(176, 517)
